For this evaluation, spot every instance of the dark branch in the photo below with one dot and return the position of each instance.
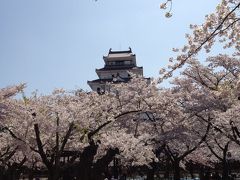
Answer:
(213, 152)
(198, 144)
(125, 113)
(40, 147)
(92, 133)
(66, 137)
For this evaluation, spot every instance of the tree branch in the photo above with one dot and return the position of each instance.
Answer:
(92, 133)
(66, 137)
(212, 35)
(40, 147)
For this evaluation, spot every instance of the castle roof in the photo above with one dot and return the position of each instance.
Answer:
(119, 55)
(109, 68)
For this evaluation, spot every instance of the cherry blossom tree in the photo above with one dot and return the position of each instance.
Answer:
(8, 149)
(171, 126)
(44, 127)
(40, 128)
(210, 92)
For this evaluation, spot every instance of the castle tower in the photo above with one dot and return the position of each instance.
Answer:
(118, 65)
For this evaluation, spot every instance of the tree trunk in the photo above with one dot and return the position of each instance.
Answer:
(115, 168)
(190, 169)
(167, 169)
(13, 173)
(53, 174)
(100, 168)
(225, 171)
(201, 173)
(150, 174)
(176, 168)
(207, 175)
(86, 161)
(69, 173)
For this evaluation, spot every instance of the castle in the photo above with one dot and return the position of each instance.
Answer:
(118, 67)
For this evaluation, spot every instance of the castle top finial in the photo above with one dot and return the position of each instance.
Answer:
(130, 49)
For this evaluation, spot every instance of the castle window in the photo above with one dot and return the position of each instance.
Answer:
(119, 63)
(111, 63)
(127, 62)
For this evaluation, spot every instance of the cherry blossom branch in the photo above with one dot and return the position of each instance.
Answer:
(177, 158)
(19, 165)
(164, 6)
(217, 28)
(203, 139)
(213, 152)
(215, 140)
(5, 153)
(218, 129)
(210, 37)
(9, 155)
(14, 135)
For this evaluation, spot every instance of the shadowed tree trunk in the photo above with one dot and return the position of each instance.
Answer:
(14, 170)
(150, 174)
(151, 171)
(101, 165)
(86, 161)
(87, 156)
(176, 168)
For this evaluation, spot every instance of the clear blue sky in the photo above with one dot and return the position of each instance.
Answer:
(59, 43)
